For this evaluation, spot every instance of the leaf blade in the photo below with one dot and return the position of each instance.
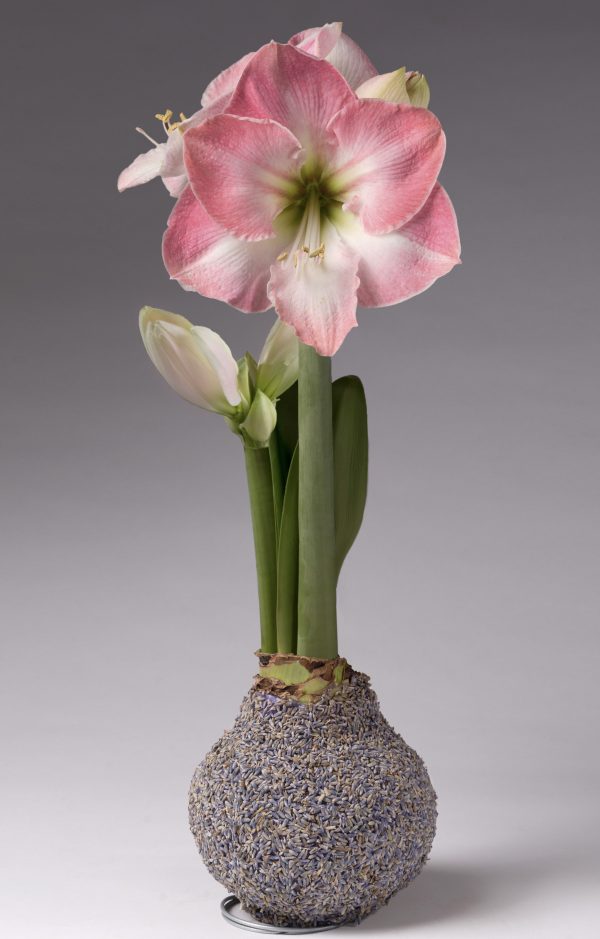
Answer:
(287, 563)
(351, 461)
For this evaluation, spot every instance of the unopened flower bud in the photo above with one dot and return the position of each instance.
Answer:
(399, 87)
(260, 421)
(278, 362)
(418, 89)
(194, 360)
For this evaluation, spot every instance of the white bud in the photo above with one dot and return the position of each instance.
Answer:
(278, 362)
(260, 421)
(399, 87)
(194, 360)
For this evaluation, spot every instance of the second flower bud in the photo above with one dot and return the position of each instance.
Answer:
(198, 364)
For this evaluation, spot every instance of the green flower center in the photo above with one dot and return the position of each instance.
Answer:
(312, 206)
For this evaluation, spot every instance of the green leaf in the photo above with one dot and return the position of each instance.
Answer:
(281, 447)
(287, 564)
(260, 491)
(278, 484)
(351, 460)
(286, 431)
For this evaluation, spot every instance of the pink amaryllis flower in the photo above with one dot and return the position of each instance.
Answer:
(165, 158)
(305, 197)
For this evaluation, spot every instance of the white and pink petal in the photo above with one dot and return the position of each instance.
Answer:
(401, 264)
(317, 296)
(244, 171)
(293, 88)
(318, 40)
(330, 43)
(225, 82)
(145, 167)
(203, 256)
(384, 161)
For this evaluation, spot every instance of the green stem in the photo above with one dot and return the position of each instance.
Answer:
(317, 625)
(260, 489)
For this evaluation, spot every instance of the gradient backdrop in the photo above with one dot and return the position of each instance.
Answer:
(471, 596)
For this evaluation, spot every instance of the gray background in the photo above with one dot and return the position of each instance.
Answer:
(471, 594)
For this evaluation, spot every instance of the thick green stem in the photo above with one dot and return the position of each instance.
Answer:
(260, 489)
(317, 575)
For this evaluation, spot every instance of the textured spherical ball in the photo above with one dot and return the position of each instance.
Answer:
(313, 814)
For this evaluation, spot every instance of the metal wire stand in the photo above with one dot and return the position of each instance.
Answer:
(229, 904)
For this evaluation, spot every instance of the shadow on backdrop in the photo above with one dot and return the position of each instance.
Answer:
(449, 891)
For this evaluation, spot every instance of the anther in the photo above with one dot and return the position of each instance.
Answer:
(165, 120)
(182, 119)
(282, 256)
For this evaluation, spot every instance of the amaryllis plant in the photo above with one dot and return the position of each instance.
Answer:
(308, 183)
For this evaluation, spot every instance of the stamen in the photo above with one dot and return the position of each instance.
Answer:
(182, 119)
(169, 125)
(308, 235)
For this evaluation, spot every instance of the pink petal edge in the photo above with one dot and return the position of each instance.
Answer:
(240, 169)
(401, 264)
(318, 300)
(225, 82)
(293, 88)
(330, 43)
(202, 256)
(386, 160)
